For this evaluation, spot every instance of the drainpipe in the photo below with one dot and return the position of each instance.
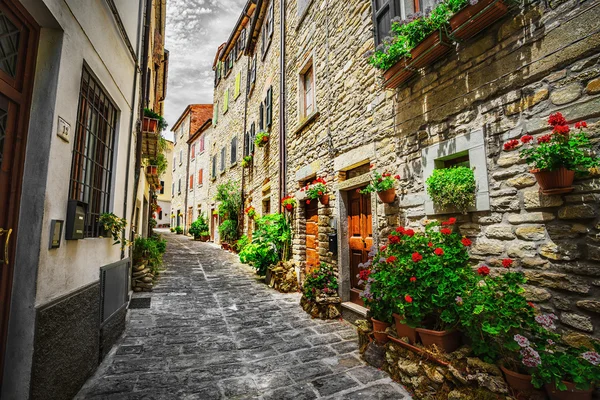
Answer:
(131, 119)
(145, 77)
(282, 127)
(244, 143)
(187, 189)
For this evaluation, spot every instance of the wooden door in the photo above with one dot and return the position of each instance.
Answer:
(214, 219)
(312, 236)
(18, 47)
(360, 230)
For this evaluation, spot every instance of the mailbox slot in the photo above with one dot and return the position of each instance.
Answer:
(333, 243)
(75, 226)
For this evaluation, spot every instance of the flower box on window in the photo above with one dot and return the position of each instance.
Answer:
(149, 124)
(472, 19)
(396, 75)
(152, 170)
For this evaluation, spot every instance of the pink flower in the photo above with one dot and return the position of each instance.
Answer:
(416, 257)
(483, 270)
(439, 251)
(592, 357)
(546, 320)
(531, 358)
(459, 300)
(521, 340)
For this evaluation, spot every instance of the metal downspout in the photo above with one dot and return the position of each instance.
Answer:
(282, 126)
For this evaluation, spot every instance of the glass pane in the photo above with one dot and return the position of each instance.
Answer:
(9, 45)
(3, 119)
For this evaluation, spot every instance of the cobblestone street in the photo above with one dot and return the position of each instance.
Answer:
(213, 331)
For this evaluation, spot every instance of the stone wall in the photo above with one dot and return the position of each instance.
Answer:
(179, 170)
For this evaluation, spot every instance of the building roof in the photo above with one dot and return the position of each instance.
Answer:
(200, 113)
(241, 23)
(218, 54)
(200, 130)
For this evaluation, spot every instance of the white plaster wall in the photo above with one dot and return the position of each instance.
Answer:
(90, 36)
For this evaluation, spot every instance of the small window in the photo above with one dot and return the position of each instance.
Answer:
(162, 187)
(261, 116)
(233, 150)
(191, 181)
(241, 43)
(173, 189)
(193, 151)
(180, 157)
(226, 101)
(200, 176)
(269, 107)
(246, 143)
(201, 144)
(252, 137)
(223, 154)
(267, 29)
(307, 91)
(179, 186)
(214, 167)
(266, 206)
(215, 113)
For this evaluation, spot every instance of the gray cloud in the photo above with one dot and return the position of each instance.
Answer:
(194, 31)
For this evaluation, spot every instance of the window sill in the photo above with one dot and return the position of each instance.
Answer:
(233, 165)
(251, 89)
(304, 13)
(266, 50)
(306, 121)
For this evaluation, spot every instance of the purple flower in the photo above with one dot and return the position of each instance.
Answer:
(521, 340)
(459, 300)
(531, 358)
(550, 342)
(546, 320)
(473, 2)
(592, 357)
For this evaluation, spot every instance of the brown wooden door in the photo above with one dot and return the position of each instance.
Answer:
(213, 218)
(18, 47)
(360, 229)
(312, 236)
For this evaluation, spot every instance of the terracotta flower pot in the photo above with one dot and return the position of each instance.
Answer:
(404, 330)
(152, 170)
(520, 382)
(473, 18)
(225, 245)
(396, 75)
(379, 331)
(555, 182)
(570, 394)
(387, 196)
(324, 199)
(149, 124)
(446, 341)
(430, 49)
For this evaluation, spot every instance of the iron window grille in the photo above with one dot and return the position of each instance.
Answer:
(91, 168)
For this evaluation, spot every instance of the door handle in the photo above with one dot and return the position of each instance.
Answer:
(7, 232)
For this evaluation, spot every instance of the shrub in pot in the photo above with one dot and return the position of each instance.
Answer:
(247, 161)
(317, 190)
(422, 273)
(383, 184)
(380, 308)
(271, 243)
(452, 187)
(262, 138)
(556, 158)
(153, 120)
(179, 230)
(199, 226)
(320, 282)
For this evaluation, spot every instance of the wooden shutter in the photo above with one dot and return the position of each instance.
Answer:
(242, 40)
(233, 149)
(215, 113)
(269, 106)
(214, 166)
(238, 80)
(200, 176)
(193, 151)
(246, 143)
(254, 69)
(261, 117)
(270, 26)
(383, 12)
(252, 137)
(223, 154)
(191, 181)
(226, 101)
(202, 143)
(179, 185)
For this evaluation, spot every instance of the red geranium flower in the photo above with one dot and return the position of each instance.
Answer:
(466, 242)
(526, 138)
(307, 201)
(364, 274)
(556, 119)
(483, 270)
(394, 239)
(413, 278)
(416, 257)
(439, 251)
(400, 229)
(445, 231)
(391, 259)
(409, 232)
(507, 262)
(530, 304)
(511, 144)
(371, 166)
(544, 139)
(320, 193)
(561, 130)
(408, 299)
(289, 207)
(451, 221)
(397, 176)
(430, 244)
(382, 248)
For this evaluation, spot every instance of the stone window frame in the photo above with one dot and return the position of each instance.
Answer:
(308, 64)
(301, 14)
(474, 144)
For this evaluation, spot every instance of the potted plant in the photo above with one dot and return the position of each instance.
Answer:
(179, 230)
(198, 227)
(422, 274)
(557, 157)
(470, 17)
(228, 231)
(453, 187)
(250, 211)
(153, 120)
(568, 373)
(152, 170)
(115, 226)
(262, 138)
(205, 236)
(380, 308)
(383, 184)
(172, 229)
(317, 190)
(152, 223)
(288, 202)
(247, 161)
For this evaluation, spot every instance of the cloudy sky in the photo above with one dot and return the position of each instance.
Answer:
(195, 29)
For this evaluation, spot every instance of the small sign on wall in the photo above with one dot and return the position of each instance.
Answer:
(63, 130)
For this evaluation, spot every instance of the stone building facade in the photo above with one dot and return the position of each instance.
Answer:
(164, 195)
(198, 171)
(497, 86)
(194, 116)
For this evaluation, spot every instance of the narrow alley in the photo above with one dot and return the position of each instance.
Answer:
(214, 331)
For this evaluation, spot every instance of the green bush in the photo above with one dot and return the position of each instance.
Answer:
(261, 255)
(228, 231)
(179, 229)
(241, 243)
(151, 249)
(321, 281)
(199, 227)
(270, 243)
(452, 187)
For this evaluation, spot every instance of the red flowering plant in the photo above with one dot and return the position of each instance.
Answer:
(562, 148)
(493, 314)
(322, 282)
(288, 202)
(315, 190)
(250, 211)
(421, 273)
(370, 278)
(380, 182)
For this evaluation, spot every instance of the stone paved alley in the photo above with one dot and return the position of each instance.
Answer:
(213, 331)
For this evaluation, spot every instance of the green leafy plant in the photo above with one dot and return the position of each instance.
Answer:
(271, 243)
(115, 226)
(250, 211)
(380, 182)
(380, 306)
(228, 230)
(150, 249)
(152, 223)
(230, 203)
(556, 364)
(452, 187)
(161, 163)
(199, 226)
(172, 229)
(247, 161)
(321, 281)
(315, 190)
(162, 124)
(262, 138)
(242, 243)
(261, 255)
(561, 148)
(179, 229)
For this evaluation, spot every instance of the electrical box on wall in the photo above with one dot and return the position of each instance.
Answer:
(333, 243)
(56, 227)
(75, 220)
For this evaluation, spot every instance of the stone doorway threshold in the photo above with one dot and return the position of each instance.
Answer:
(352, 312)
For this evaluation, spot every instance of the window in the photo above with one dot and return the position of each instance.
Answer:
(213, 174)
(307, 91)
(246, 143)
(200, 176)
(179, 186)
(267, 31)
(215, 113)
(201, 144)
(193, 151)
(230, 60)
(180, 156)
(385, 10)
(241, 43)
(251, 75)
(91, 168)
(261, 117)
(233, 150)
(269, 107)
(223, 154)
(173, 189)
(226, 101)
(160, 214)
(218, 73)
(228, 64)
(238, 79)
(191, 181)
(252, 137)
(266, 203)
(162, 187)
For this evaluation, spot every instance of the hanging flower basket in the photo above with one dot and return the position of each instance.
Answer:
(288, 203)
(387, 196)
(317, 190)
(324, 199)
(262, 138)
(383, 184)
(472, 19)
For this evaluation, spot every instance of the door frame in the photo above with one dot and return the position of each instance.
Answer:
(22, 96)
